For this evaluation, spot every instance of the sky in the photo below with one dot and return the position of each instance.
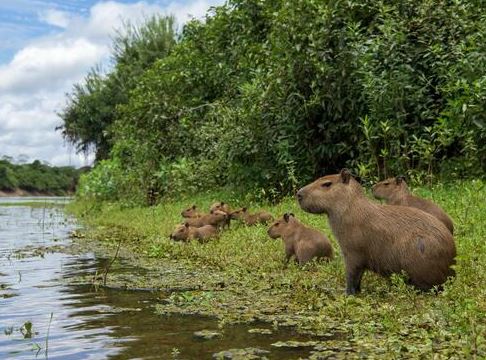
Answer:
(46, 46)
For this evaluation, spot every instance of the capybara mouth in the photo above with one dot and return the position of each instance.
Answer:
(309, 207)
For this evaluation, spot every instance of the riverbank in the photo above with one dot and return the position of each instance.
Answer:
(241, 278)
(25, 193)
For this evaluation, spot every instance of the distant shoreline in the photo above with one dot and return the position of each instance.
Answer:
(24, 193)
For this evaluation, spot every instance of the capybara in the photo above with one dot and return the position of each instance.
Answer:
(299, 240)
(217, 218)
(385, 239)
(395, 192)
(185, 232)
(191, 212)
(220, 205)
(261, 217)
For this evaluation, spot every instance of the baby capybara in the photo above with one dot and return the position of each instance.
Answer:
(224, 207)
(185, 232)
(220, 205)
(261, 217)
(395, 192)
(299, 240)
(385, 239)
(217, 218)
(191, 212)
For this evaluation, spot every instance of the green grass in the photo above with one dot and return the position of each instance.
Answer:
(389, 319)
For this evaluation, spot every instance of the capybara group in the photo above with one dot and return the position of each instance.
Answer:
(395, 192)
(216, 218)
(385, 239)
(261, 217)
(299, 240)
(185, 232)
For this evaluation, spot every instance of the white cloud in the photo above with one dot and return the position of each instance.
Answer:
(33, 84)
(55, 17)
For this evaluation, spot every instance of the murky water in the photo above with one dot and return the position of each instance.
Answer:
(43, 315)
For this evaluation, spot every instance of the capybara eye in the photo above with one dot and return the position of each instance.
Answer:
(326, 184)
(276, 224)
(387, 183)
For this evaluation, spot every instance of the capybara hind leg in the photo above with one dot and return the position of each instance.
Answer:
(353, 280)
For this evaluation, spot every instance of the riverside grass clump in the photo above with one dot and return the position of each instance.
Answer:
(240, 277)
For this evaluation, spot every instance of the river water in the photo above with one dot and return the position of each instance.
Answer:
(45, 315)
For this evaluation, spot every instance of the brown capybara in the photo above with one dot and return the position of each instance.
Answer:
(191, 212)
(299, 240)
(261, 217)
(395, 192)
(217, 218)
(185, 232)
(224, 207)
(220, 205)
(385, 239)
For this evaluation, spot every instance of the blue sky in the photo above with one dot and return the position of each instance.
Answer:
(48, 45)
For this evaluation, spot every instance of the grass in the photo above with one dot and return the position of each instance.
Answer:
(240, 277)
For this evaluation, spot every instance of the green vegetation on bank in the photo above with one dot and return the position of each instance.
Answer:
(240, 277)
(38, 178)
(269, 94)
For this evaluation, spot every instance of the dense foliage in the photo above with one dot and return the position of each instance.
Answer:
(38, 177)
(269, 94)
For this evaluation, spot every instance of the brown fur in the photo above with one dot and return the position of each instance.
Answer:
(224, 207)
(395, 192)
(299, 240)
(185, 232)
(385, 239)
(220, 205)
(261, 217)
(217, 218)
(191, 212)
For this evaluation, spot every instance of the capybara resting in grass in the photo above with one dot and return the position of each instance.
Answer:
(261, 217)
(224, 207)
(217, 218)
(220, 205)
(385, 239)
(191, 212)
(185, 232)
(395, 192)
(299, 240)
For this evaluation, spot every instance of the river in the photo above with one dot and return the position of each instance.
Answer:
(44, 313)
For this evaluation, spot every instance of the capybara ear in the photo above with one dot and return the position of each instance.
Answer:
(193, 207)
(292, 214)
(222, 203)
(286, 217)
(244, 209)
(186, 224)
(345, 176)
(399, 179)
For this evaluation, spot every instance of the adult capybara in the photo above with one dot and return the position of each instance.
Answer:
(261, 217)
(299, 240)
(191, 212)
(217, 218)
(220, 205)
(185, 232)
(395, 192)
(385, 239)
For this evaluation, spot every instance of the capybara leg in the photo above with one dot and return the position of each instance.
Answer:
(353, 280)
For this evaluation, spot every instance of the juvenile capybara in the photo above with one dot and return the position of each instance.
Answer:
(395, 192)
(217, 218)
(191, 212)
(299, 240)
(385, 239)
(220, 205)
(224, 207)
(261, 217)
(185, 232)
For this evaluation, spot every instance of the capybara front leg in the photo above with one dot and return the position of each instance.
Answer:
(353, 280)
